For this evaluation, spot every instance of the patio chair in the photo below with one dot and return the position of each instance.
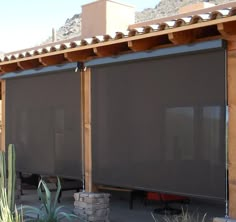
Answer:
(166, 200)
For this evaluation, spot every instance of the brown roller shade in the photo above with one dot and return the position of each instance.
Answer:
(43, 119)
(159, 124)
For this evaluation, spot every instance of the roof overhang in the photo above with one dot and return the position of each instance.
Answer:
(215, 25)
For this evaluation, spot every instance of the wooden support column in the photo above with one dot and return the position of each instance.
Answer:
(3, 133)
(231, 78)
(87, 130)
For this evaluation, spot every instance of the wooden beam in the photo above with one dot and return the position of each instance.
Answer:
(1, 71)
(227, 30)
(12, 67)
(231, 79)
(72, 53)
(232, 45)
(3, 133)
(82, 99)
(52, 60)
(29, 64)
(87, 130)
(201, 30)
(207, 32)
(110, 50)
(76, 56)
(183, 37)
(148, 43)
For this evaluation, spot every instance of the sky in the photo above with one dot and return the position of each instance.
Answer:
(27, 23)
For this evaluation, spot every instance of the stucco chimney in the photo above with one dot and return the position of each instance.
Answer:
(106, 17)
(195, 7)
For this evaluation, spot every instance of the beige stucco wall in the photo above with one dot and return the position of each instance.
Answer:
(93, 19)
(119, 16)
(106, 17)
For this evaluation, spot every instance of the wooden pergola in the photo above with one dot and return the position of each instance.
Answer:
(217, 26)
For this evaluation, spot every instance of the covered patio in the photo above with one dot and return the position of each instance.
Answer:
(152, 109)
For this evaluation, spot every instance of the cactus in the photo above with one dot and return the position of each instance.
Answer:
(2, 171)
(8, 183)
(11, 176)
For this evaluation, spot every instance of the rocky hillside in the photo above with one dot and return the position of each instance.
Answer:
(169, 7)
(71, 28)
(164, 8)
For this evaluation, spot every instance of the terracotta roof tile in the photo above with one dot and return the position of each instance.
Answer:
(133, 32)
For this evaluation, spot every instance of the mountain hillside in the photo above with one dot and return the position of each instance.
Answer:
(169, 7)
(164, 8)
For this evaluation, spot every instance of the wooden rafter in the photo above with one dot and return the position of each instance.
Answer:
(52, 60)
(110, 50)
(182, 37)
(206, 32)
(217, 28)
(11, 67)
(29, 64)
(79, 55)
(227, 30)
(148, 43)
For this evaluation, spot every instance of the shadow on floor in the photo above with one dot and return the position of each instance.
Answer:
(120, 211)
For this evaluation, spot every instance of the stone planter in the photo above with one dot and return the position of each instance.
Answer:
(92, 207)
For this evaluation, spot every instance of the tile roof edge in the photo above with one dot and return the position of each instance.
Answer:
(76, 38)
(58, 46)
(182, 15)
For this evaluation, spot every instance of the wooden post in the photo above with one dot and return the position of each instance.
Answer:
(87, 130)
(3, 133)
(82, 125)
(231, 78)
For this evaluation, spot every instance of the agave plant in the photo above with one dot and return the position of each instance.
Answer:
(6, 214)
(49, 210)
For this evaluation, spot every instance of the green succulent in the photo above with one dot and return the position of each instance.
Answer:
(49, 210)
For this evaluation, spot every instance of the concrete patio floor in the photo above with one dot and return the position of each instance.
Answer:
(120, 211)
